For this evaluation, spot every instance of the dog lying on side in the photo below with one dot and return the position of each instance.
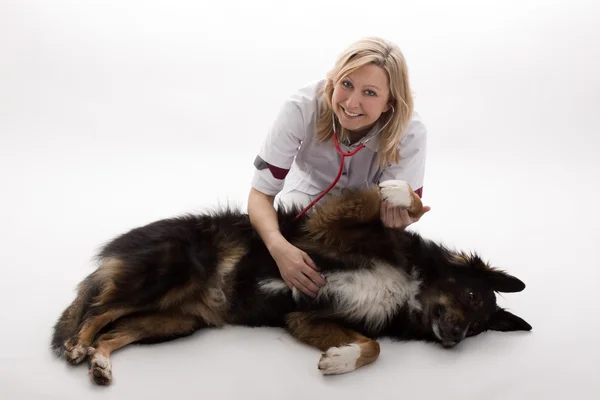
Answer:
(175, 276)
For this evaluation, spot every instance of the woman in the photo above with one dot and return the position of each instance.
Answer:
(366, 98)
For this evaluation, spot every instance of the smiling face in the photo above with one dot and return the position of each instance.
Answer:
(360, 98)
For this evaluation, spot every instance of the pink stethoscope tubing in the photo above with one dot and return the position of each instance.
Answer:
(344, 155)
(337, 178)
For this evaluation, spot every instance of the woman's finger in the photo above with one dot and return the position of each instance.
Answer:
(314, 276)
(382, 212)
(392, 218)
(309, 261)
(400, 217)
(406, 220)
(299, 283)
(289, 283)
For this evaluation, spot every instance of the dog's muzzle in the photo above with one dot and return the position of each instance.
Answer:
(449, 336)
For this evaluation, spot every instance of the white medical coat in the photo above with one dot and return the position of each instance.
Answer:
(292, 159)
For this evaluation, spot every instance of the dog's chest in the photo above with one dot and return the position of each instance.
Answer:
(371, 295)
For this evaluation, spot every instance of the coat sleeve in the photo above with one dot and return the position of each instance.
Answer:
(276, 154)
(411, 167)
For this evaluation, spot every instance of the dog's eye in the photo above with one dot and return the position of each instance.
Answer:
(473, 298)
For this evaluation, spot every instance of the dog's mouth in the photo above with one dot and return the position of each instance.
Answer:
(448, 344)
(448, 337)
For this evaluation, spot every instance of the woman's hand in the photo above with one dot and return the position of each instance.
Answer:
(396, 217)
(297, 268)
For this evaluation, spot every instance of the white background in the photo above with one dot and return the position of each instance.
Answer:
(117, 113)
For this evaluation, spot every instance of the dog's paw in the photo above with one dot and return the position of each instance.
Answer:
(100, 369)
(397, 193)
(339, 360)
(75, 353)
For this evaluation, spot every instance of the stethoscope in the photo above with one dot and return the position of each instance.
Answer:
(344, 154)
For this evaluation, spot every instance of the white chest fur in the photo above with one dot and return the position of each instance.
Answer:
(370, 295)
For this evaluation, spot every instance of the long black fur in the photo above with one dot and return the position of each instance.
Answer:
(167, 254)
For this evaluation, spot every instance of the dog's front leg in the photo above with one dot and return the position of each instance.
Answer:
(343, 222)
(353, 219)
(344, 350)
(399, 194)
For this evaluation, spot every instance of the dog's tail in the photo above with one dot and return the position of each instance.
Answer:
(70, 319)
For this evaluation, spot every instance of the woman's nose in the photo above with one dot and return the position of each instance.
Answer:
(352, 102)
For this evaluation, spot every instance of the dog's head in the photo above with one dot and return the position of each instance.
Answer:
(462, 301)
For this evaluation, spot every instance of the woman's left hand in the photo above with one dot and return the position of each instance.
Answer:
(396, 217)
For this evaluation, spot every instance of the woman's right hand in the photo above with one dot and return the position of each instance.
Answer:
(297, 268)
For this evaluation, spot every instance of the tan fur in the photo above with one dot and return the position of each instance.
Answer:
(369, 352)
(129, 330)
(75, 310)
(107, 273)
(230, 255)
(77, 346)
(453, 312)
(197, 302)
(213, 305)
(416, 206)
(178, 295)
(207, 302)
(326, 223)
(459, 258)
(444, 300)
(324, 335)
(94, 324)
(109, 268)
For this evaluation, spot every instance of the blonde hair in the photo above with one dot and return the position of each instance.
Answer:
(377, 51)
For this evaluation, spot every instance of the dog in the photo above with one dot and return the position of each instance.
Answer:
(174, 276)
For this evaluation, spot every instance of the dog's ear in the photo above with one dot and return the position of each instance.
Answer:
(505, 321)
(499, 280)
(503, 282)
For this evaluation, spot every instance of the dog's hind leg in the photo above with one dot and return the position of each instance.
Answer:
(344, 350)
(155, 328)
(76, 348)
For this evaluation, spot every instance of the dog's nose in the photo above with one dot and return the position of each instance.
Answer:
(456, 332)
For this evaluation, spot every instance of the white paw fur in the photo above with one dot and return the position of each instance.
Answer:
(100, 369)
(339, 360)
(396, 192)
(76, 354)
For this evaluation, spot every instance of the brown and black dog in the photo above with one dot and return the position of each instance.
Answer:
(175, 276)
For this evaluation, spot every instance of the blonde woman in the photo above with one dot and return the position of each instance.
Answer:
(366, 99)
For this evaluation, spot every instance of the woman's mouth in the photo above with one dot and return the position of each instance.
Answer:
(349, 114)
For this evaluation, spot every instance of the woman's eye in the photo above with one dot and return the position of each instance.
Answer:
(347, 84)
(370, 93)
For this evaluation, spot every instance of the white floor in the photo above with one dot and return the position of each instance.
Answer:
(117, 113)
